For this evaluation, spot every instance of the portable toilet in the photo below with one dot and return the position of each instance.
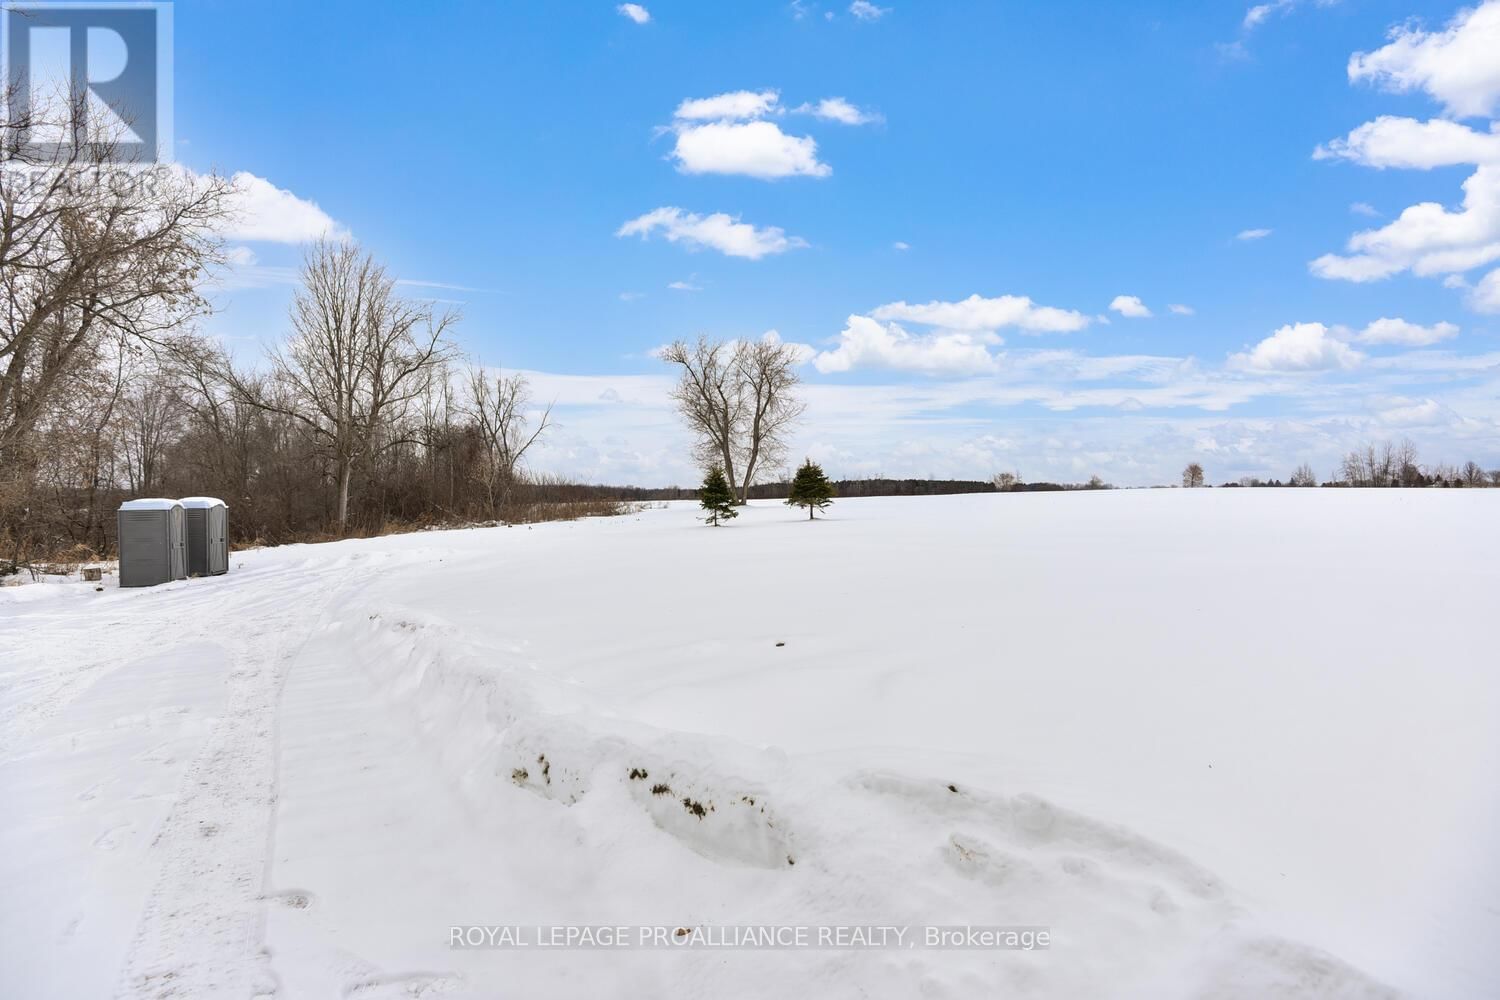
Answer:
(207, 535)
(153, 545)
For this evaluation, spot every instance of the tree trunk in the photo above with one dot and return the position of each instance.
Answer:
(749, 474)
(345, 468)
(728, 463)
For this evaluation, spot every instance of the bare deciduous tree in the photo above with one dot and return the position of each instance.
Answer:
(1192, 476)
(767, 367)
(1383, 464)
(497, 407)
(1380, 460)
(738, 398)
(150, 413)
(94, 259)
(1304, 476)
(1404, 468)
(359, 355)
(711, 398)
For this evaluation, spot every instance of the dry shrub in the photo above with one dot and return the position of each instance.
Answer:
(565, 510)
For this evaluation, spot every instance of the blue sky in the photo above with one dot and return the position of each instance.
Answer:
(1053, 160)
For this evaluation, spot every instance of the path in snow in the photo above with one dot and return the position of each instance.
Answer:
(199, 921)
(202, 932)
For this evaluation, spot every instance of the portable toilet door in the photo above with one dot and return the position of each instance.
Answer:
(218, 539)
(151, 542)
(207, 521)
(178, 530)
(179, 537)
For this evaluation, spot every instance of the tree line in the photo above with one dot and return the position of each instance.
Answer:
(1376, 465)
(365, 414)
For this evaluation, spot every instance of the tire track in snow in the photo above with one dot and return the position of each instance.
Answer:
(202, 932)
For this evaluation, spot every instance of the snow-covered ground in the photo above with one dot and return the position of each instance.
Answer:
(1231, 743)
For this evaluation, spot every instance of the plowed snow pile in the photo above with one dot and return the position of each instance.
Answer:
(1220, 743)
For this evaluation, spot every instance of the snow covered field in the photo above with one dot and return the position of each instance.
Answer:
(1221, 743)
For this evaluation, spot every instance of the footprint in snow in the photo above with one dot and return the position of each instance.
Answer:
(110, 839)
(403, 986)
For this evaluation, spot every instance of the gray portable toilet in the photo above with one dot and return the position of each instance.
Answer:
(152, 542)
(207, 535)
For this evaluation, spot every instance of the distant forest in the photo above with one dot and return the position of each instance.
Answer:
(877, 487)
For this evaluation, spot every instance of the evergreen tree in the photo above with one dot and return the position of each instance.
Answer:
(716, 497)
(810, 489)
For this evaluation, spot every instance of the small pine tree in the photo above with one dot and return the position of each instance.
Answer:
(810, 489)
(716, 497)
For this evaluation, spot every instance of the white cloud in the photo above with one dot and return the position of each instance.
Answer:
(958, 342)
(754, 149)
(446, 285)
(1180, 309)
(864, 10)
(803, 352)
(1363, 208)
(868, 343)
(1252, 234)
(240, 275)
(1358, 268)
(635, 12)
(731, 133)
(1457, 66)
(684, 286)
(1390, 141)
(1485, 296)
(1398, 331)
(736, 105)
(718, 231)
(631, 296)
(263, 212)
(836, 109)
(1258, 14)
(1298, 347)
(1130, 305)
(980, 314)
(900, 245)
(1254, 17)
(1424, 413)
(1426, 238)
